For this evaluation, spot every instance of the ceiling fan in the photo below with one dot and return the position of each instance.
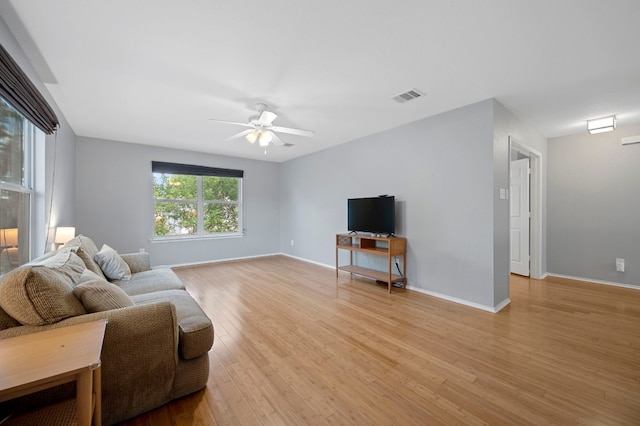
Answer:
(261, 128)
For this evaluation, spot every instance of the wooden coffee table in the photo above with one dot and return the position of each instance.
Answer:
(38, 361)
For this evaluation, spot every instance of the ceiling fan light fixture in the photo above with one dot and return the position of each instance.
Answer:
(260, 128)
(251, 137)
(265, 138)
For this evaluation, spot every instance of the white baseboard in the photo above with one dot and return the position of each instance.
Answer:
(590, 280)
(229, 259)
(324, 265)
(492, 309)
(500, 306)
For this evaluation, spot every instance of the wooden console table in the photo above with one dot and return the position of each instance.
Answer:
(388, 247)
(38, 361)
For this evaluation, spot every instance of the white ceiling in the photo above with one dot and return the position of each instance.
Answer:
(154, 71)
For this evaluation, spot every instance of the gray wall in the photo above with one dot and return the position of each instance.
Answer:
(506, 124)
(60, 177)
(446, 172)
(115, 202)
(594, 206)
(441, 171)
(59, 154)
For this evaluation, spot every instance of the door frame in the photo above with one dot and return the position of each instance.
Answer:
(535, 205)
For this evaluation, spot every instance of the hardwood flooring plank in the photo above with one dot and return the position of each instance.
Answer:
(296, 346)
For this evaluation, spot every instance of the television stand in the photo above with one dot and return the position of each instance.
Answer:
(388, 247)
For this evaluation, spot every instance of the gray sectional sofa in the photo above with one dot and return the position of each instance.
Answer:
(156, 341)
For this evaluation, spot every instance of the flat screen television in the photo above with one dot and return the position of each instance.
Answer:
(373, 214)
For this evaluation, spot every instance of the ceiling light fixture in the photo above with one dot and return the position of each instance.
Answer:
(600, 125)
(265, 138)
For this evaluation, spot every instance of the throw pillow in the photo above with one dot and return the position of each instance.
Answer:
(112, 264)
(89, 275)
(86, 249)
(97, 294)
(66, 262)
(85, 242)
(39, 294)
(89, 262)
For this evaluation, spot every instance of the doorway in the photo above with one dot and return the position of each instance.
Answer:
(529, 237)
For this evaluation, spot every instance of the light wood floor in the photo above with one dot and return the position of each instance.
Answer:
(294, 347)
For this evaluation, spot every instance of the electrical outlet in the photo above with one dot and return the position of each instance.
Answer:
(292, 242)
(142, 250)
(620, 265)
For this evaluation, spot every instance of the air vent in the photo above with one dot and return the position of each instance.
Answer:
(407, 96)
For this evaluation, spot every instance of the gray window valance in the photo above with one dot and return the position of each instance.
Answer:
(188, 169)
(19, 91)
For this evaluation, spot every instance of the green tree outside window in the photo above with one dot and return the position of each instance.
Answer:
(196, 205)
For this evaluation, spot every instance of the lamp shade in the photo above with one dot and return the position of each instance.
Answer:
(9, 237)
(600, 125)
(64, 234)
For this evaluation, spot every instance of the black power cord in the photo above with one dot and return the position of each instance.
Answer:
(398, 284)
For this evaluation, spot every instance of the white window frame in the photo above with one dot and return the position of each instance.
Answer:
(30, 135)
(200, 203)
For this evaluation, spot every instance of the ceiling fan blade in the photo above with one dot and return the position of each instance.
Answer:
(267, 117)
(239, 135)
(232, 122)
(276, 140)
(279, 142)
(299, 132)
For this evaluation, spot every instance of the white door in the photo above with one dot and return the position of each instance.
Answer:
(519, 207)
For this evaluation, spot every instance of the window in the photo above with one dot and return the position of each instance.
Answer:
(17, 135)
(23, 110)
(196, 201)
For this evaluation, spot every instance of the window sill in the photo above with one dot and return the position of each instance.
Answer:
(183, 238)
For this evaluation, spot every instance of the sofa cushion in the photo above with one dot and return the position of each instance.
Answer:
(196, 330)
(98, 294)
(6, 320)
(112, 264)
(86, 250)
(138, 262)
(39, 294)
(158, 279)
